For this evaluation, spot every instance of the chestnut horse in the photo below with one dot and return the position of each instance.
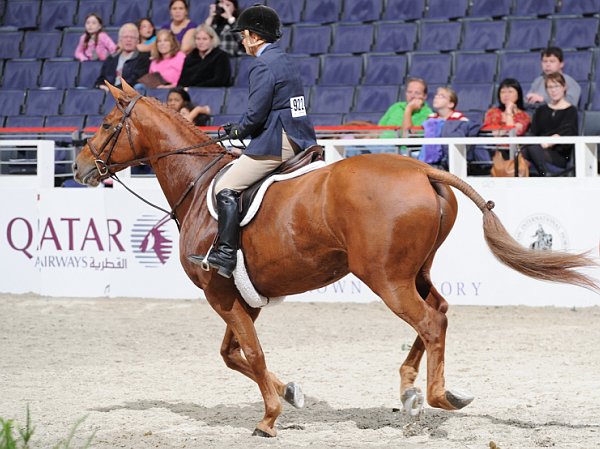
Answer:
(381, 217)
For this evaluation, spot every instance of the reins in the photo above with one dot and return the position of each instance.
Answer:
(105, 169)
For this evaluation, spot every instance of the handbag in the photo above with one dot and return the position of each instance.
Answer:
(152, 80)
(502, 168)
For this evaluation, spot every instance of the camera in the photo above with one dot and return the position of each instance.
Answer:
(218, 9)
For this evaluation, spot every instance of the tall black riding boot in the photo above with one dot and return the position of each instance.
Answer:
(224, 257)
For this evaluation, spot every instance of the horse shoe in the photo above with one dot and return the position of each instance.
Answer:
(413, 401)
(294, 395)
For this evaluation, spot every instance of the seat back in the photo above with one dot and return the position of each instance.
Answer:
(475, 67)
(130, 11)
(579, 7)
(490, 8)
(385, 69)
(404, 9)
(308, 67)
(61, 73)
(578, 32)
(10, 44)
(104, 8)
(525, 66)
(341, 70)
(88, 73)
(289, 12)
(211, 96)
(41, 44)
(438, 36)
(43, 101)
(236, 101)
(362, 10)
(322, 11)
(311, 40)
(21, 73)
(376, 98)
(528, 34)
(395, 37)
(352, 38)
(578, 64)
(474, 97)
(65, 121)
(483, 35)
(57, 14)
(331, 99)
(435, 68)
(534, 7)
(11, 101)
(444, 9)
(83, 102)
(22, 14)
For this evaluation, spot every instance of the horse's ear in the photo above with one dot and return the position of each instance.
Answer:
(117, 93)
(128, 89)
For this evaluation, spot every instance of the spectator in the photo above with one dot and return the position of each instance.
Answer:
(147, 34)
(510, 110)
(167, 60)
(221, 17)
(94, 44)
(552, 62)
(179, 100)
(128, 63)
(181, 25)
(445, 122)
(407, 114)
(206, 65)
(556, 118)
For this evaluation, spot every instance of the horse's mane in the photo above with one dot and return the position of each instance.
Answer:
(178, 117)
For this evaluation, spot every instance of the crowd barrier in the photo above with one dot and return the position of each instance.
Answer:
(84, 242)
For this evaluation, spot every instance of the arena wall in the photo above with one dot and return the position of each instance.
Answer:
(96, 242)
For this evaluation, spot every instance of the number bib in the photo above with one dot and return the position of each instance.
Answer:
(297, 106)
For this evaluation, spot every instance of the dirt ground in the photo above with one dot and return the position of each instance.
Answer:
(148, 374)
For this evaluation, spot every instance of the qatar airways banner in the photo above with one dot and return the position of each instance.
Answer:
(107, 243)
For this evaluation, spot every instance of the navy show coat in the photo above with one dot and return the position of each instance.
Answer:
(275, 103)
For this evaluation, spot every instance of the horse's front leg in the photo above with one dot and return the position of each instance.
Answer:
(410, 396)
(232, 355)
(224, 299)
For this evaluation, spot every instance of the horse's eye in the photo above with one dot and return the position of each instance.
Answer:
(105, 125)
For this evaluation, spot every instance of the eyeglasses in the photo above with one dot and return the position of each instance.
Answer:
(554, 86)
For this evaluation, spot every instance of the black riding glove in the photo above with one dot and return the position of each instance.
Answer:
(232, 130)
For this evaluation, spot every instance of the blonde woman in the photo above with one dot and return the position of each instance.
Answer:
(167, 59)
(206, 65)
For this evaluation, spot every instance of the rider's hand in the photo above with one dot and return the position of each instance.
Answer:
(232, 130)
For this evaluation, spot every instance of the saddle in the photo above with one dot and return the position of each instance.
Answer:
(311, 154)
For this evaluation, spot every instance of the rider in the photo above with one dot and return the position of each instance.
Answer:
(275, 120)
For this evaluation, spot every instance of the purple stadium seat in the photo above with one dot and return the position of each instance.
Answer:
(395, 37)
(528, 34)
(490, 8)
(65, 121)
(575, 32)
(579, 7)
(21, 73)
(444, 9)
(311, 40)
(160, 13)
(198, 11)
(159, 94)
(331, 99)
(439, 36)
(211, 96)
(362, 10)
(83, 101)
(93, 121)
(10, 42)
(41, 44)
(352, 38)
(524, 66)
(322, 11)
(483, 35)
(236, 101)
(308, 67)
(22, 14)
(43, 101)
(286, 38)
(534, 7)
(376, 98)
(435, 68)
(326, 119)
(61, 73)
(341, 70)
(289, 12)
(24, 121)
(243, 65)
(404, 9)
(129, 11)
(57, 14)
(578, 64)
(104, 8)
(474, 97)
(88, 73)
(11, 101)
(474, 67)
(385, 69)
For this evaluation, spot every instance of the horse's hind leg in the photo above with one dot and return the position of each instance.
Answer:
(232, 355)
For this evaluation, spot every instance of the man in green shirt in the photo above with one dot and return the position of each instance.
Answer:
(409, 113)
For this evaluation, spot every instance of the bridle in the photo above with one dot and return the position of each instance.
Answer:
(106, 169)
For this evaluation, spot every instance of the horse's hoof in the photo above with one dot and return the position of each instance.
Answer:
(412, 401)
(459, 399)
(261, 433)
(294, 395)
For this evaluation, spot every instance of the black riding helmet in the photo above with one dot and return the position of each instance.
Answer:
(261, 20)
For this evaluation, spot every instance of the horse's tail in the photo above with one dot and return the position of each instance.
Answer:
(555, 266)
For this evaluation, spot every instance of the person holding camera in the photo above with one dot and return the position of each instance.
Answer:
(222, 16)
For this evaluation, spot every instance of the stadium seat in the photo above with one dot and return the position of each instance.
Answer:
(104, 8)
(395, 37)
(24, 121)
(10, 44)
(352, 38)
(21, 73)
(385, 69)
(524, 66)
(474, 67)
(198, 11)
(22, 14)
(483, 35)
(579, 32)
(286, 38)
(61, 73)
(326, 119)
(307, 67)
(70, 41)
(372, 117)
(528, 34)
(591, 123)
(130, 12)
(341, 70)
(331, 99)
(311, 40)
(243, 66)
(362, 10)
(375, 98)
(444, 9)
(438, 36)
(11, 101)
(534, 7)
(490, 8)
(584, 99)
(236, 101)
(211, 96)
(435, 68)
(404, 9)
(579, 7)
(57, 14)
(93, 121)
(595, 99)
(43, 101)
(160, 94)
(578, 64)
(65, 121)
(160, 13)
(88, 73)
(322, 11)
(83, 101)
(41, 44)
(473, 97)
(289, 12)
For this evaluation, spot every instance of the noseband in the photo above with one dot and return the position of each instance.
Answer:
(103, 165)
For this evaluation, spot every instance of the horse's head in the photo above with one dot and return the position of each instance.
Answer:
(116, 143)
